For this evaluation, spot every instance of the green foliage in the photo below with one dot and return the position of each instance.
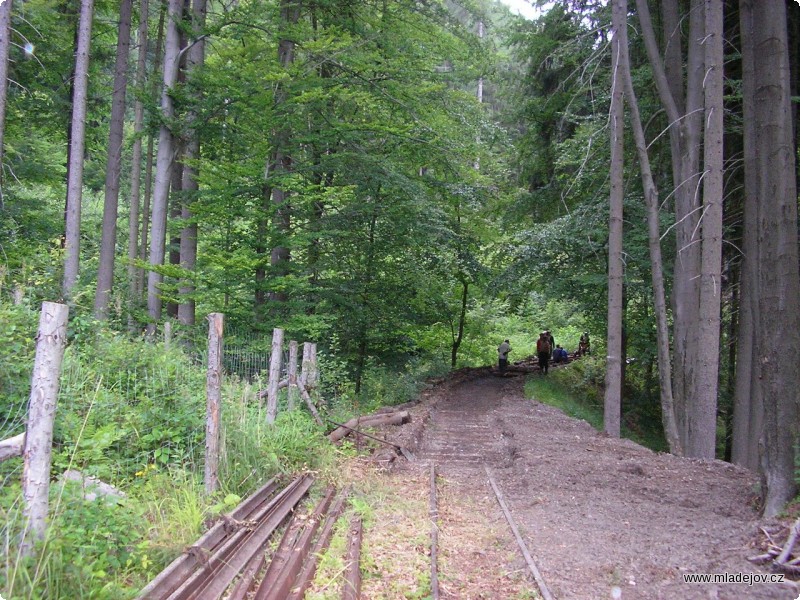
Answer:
(16, 358)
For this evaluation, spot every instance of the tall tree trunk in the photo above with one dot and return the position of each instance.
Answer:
(668, 409)
(5, 42)
(105, 273)
(777, 301)
(613, 393)
(175, 203)
(703, 424)
(685, 117)
(194, 59)
(164, 161)
(462, 319)
(748, 415)
(282, 161)
(136, 159)
(156, 76)
(72, 234)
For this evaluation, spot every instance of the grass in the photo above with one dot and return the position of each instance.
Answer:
(548, 391)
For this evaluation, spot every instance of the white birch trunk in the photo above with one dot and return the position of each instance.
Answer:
(72, 233)
(213, 400)
(50, 343)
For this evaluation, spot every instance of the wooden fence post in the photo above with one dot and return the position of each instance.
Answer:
(306, 370)
(274, 374)
(50, 343)
(292, 376)
(213, 396)
(313, 376)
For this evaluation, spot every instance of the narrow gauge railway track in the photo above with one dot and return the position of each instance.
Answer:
(461, 437)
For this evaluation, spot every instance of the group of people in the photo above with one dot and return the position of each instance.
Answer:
(546, 350)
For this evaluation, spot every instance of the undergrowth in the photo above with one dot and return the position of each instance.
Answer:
(132, 414)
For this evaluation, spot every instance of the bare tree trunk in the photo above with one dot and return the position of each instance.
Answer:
(275, 360)
(50, 343)
(613, 392)
(748, 417)
(213, 400)
(703, 426)
(5, 42)
(194, 59)
(148, 171)
(668, 413)
(282, 162)
(108, 243)
(164, 161)
(777, 307)
(175, 203)
(685, 116)
(72, 235)
(136, 159)
(292, 375)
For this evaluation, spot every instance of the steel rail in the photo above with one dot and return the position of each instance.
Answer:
(212, 562)
(434, 517)
(223, 570)
(320, 546)
(179, 569)
(277, 586)
(520, 542)
(351, 589)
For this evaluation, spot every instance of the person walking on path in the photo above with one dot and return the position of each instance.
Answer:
(552, 341)
(543, 350)
(502, 356)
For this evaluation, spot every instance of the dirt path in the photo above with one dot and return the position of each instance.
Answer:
(598, 514)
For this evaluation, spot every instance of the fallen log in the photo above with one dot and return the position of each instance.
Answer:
(396, 418)
(11, 447)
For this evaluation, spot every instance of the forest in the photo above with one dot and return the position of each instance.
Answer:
(406, 183)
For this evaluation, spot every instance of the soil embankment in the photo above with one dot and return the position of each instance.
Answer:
(596, 513)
